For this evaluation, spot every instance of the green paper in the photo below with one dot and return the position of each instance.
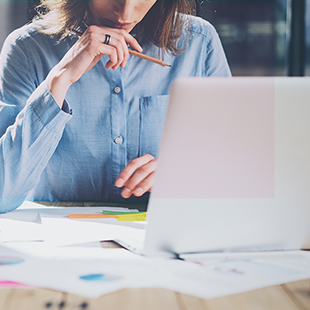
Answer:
(119, 213)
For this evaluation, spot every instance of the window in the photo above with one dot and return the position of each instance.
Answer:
(253, 33)
(256, 34)
(307, 38)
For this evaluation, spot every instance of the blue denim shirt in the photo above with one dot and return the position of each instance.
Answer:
(109, 117)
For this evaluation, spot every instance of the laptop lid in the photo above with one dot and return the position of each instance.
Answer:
(233, 167)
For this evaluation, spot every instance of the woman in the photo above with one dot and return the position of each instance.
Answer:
(81, 119)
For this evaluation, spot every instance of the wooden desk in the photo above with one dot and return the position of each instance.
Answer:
(290, 296)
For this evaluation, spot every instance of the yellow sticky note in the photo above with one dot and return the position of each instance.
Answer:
(141, 216)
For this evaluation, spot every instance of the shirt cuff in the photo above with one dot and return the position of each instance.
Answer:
(66, 108)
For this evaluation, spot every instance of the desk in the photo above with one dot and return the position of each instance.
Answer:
(289, 296)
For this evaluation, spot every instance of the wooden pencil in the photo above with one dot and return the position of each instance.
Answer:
(149, 58)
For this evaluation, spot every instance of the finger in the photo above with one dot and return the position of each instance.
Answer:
(131, 41)
(119, 42)
(119, 47)
(112, 53)
(145, 186)
(141, 188)
(121, 35)
(126, 54)
(139, 178)
(104, 50)
(120, 39)
(98, 36)
(131, 168)
(117, 53)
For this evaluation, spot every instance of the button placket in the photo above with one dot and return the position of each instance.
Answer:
(118, 130)
(117, 140)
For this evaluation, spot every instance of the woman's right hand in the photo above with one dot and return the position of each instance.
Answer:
(85, 53)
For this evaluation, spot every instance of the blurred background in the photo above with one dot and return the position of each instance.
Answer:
(260, 37)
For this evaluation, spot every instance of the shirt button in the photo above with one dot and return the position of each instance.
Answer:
(117, 90)
(118, 140)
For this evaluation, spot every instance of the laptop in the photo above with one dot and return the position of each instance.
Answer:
(233, 168)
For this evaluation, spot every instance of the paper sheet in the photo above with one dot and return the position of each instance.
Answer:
(56, 228)
(32, 212)
(86, 277)
(65, 231)
(71, 260)
(15, 230)
(97, 274)
(228, 277)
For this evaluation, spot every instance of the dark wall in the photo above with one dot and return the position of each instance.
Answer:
(13, 14)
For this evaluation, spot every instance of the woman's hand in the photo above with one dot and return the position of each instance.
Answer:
(85, 53)
(138, 176)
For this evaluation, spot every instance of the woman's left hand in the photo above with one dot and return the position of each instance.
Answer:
(138, 176)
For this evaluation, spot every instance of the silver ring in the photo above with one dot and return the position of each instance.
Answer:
(107, 39)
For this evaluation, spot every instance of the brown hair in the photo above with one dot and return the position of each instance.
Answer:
(161, 25)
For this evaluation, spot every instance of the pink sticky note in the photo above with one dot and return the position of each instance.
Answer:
(4, 283)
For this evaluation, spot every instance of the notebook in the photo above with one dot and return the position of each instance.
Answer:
(233, 168)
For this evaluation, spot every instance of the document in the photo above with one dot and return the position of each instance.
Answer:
(225, 277)
(290, 259)
(20, 231)
(65, 231)
(86, 277)
(42, 247)
(95, 274)
(33, 222)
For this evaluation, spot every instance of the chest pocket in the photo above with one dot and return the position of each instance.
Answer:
(152, 118)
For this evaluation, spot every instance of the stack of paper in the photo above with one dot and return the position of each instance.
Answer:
(43, 247)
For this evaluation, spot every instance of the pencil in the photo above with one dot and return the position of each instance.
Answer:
(92, 216)
(149, 58)
(135, 53)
